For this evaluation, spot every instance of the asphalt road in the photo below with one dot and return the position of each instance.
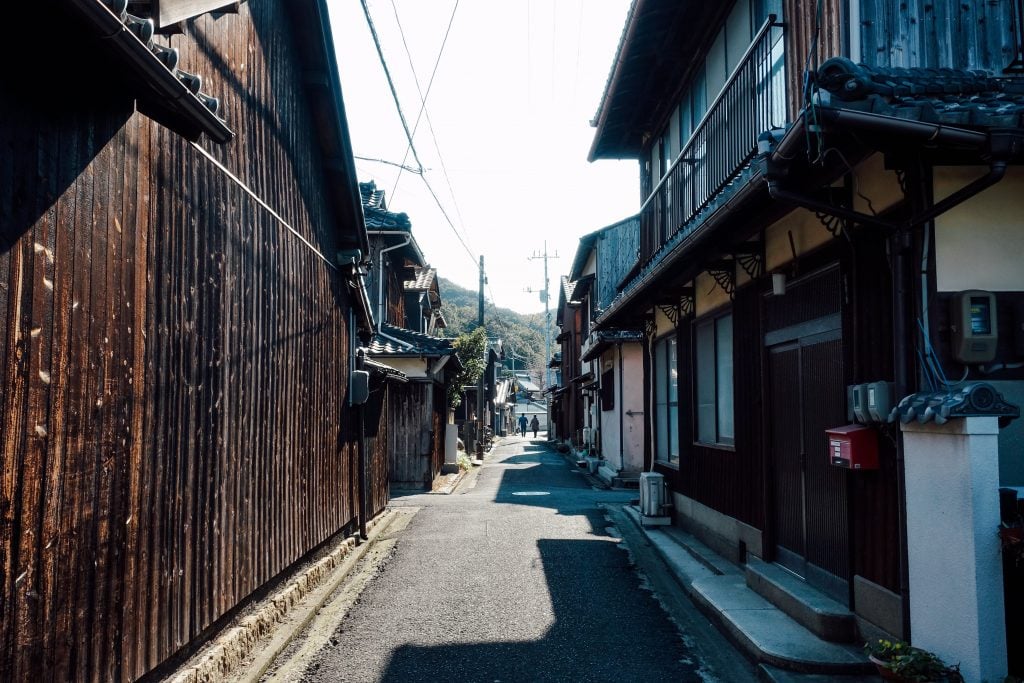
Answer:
(519, 576)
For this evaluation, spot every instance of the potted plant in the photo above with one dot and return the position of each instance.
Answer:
(899, 661)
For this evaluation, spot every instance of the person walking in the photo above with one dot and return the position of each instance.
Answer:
(522, 424)
(535, 425)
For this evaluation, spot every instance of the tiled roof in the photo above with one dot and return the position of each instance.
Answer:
(603, 339)
(947, 96)
(372, 197)
(409, 343)
(385, 370)
(568, 286)
(423, 281)
(375, 210)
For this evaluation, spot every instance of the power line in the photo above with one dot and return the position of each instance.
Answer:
(405, 125)
(410, 169)
(430, 84)
(426, 112)
(391, 83)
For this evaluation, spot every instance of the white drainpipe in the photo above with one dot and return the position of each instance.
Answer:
(380, 291)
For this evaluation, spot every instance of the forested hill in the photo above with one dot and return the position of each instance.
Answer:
(523, 334)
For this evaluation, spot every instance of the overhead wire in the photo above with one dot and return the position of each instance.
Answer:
(426, 112)
(430, 83)
(410, 169)
(391, 82)
(405, 125)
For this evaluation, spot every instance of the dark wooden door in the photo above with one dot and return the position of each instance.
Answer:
(807, 396)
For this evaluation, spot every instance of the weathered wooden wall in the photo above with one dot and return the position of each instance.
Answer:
(412, 444)
(617, 252)
(174, 428)
(377, 445)
(729, 480)
(811, 38)
(966, 34)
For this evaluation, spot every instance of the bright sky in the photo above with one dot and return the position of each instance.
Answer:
(510, 105)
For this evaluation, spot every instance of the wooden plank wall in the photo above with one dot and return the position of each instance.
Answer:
(411, 408)
(811, 38)
(173, 365)
(729, 480)
(967, 34)
(377, 445)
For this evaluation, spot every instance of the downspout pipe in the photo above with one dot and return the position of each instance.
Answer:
(380, 279)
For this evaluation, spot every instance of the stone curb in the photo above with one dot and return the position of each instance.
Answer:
(229, 649)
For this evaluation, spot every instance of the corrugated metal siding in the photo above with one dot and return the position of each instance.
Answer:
(966, 34)
(174, 364)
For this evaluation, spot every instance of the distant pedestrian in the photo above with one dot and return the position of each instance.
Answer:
(522, 424)
(535, 425)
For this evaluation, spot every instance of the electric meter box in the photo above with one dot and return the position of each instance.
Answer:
(972, 319)
(879, 400)
(853, 447)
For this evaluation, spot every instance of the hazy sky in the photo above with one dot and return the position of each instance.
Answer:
(514, 92)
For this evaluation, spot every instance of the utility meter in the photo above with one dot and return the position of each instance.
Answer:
(972, 319)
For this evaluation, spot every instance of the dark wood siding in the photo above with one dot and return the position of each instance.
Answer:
(174, 361)
(377, 445)
(874, 498)
(726, 479)
(813, 35)
(411, 410)
(967, 34)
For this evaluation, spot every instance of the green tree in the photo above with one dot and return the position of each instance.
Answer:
(469, 347)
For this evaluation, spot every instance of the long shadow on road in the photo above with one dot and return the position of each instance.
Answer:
(601, 625)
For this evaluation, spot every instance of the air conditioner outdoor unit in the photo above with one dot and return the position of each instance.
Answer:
(652, 494)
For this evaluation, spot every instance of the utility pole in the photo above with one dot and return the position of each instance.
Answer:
(480, 383)
(546, 298)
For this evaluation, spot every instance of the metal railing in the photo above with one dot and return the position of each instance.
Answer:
(753, 100)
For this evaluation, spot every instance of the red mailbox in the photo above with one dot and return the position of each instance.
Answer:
(854, 447)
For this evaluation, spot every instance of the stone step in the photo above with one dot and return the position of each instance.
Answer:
(773, 674)
(768, 635)
(815, 611)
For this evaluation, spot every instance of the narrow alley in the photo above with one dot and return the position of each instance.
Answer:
(520, 575)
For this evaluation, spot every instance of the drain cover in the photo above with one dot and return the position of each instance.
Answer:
(532, 493)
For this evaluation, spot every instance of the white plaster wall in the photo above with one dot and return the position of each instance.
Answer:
(955, 564)
(978, 244)
(633, 400)
(627, 454)
(414, 368)
(610, 418)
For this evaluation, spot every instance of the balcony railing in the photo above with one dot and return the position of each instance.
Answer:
(723, 143)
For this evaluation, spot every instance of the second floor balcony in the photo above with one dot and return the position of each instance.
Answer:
(722, 145)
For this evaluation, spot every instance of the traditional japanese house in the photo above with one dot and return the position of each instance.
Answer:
(180, 301)
(567, 404)
(827, 203)
(615, 407)
(408, 309)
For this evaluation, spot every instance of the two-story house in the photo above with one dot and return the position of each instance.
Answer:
(827, 201)
(405, 290)
(614, 406)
